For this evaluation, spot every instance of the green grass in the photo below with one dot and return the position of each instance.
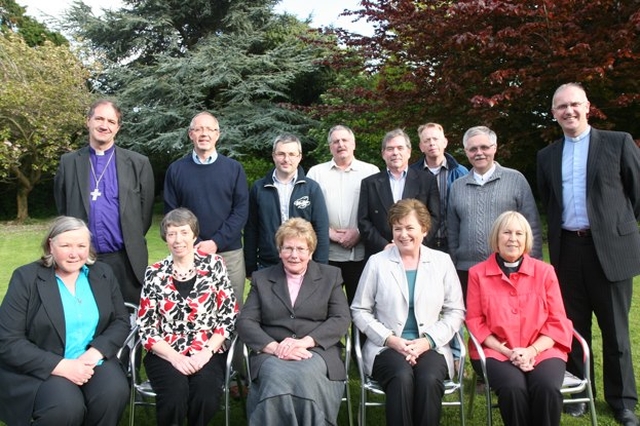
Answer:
(21, 244)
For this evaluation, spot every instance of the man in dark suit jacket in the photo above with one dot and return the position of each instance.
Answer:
(113, 195)
(380, 191)
(589, 182)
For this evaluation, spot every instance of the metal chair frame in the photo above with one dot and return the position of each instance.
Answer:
(346, 399)
(571, 384)
(142, 392)
(370, 386)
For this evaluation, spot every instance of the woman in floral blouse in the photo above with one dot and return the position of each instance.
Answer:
(187, 316)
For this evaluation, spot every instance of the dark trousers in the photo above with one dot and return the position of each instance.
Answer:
(413, 393)
(129, 285)
(526, 399)
(586, 290)
(463, 276)
(100, 401)
(351, 272)
(195, 397)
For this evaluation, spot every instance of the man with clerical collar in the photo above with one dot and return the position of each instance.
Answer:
(589, 184)
(111, 189)
(340, 180)
(285, 192)
(398, 182)
(444, 167)
(478, 198)
(214, 187)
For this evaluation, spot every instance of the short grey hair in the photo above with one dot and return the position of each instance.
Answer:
(206, 113)
(287, 138)
(480, 130)
(339, 127)
(565, 86)
(179, 217)
(60, 225)
(395, 133)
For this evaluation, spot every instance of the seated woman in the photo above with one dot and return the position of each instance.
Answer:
(293, 320)
(409, 305)
(516, 311)
(61, 323)
(187, 314)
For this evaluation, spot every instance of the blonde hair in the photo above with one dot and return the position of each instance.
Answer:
(297, 227)
(60, 225)
(502, 222)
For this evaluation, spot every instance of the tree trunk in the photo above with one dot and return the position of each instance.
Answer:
(22, 203)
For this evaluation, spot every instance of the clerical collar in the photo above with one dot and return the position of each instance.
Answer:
(508, 267)
(580, 137)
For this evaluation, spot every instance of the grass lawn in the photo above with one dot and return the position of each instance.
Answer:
(20, 245)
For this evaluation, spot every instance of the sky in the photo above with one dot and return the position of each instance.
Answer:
(322, 12)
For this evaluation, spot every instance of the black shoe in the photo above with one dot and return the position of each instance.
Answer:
(626, 417)
(576, 410)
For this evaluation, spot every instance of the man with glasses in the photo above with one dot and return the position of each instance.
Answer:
(589, 182)
(285, 192)
(380, 191)
(477, 199)
(214, 188)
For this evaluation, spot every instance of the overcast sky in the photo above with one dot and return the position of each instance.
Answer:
(322, 12)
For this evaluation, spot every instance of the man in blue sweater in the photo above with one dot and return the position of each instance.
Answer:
(214, 188)
(285, 192)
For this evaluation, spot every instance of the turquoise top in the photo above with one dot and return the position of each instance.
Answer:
(410, 330)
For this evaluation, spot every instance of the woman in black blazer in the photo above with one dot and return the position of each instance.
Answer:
(61, 323)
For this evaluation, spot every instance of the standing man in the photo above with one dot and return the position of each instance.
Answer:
(340, 180)
(444, 167)
(398, 182)
(111, 189)
(214, 188)
(477, 199)
(285, 192)
(589, 182)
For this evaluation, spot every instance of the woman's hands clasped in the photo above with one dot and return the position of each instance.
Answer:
(411, 349)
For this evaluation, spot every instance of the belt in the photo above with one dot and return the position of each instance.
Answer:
(582, 233)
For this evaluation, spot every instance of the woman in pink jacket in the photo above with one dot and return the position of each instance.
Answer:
(515, 310)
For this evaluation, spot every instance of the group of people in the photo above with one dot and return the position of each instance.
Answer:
(409, 244)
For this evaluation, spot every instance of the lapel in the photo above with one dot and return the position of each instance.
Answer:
(82, 176)
(398, 274)
(383, 189)
(126, 178)
(101, 292)
(47, 286)
(595, 147)
(411, 184)
(555, 158)
(310, 284)
(279, 287)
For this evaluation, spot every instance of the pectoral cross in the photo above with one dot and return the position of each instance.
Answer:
(95, 194)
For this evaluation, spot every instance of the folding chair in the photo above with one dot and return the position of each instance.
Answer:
(370, 387)
(570, 385)
(346, 399)
(142, 393)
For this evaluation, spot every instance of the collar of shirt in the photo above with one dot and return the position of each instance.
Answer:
(278, 181)
(482, 179)
(402, 176)
(352, 166)
(580, 137)
(209, 160)
(437, 169)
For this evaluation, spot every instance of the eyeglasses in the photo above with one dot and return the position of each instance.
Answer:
(564, 107)
(283, 155)
(289, 250)
(204, 130)
(483, 148)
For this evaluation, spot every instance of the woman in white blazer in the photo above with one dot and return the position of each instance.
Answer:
(409, 304)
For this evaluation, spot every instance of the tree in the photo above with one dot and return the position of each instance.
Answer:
(43, 95)
(13, 19)
(166, 60)
(495, 62)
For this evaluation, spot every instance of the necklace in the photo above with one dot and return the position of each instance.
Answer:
(96, 192)
(183, 276)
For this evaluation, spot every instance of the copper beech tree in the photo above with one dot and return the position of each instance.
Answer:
(493, 62)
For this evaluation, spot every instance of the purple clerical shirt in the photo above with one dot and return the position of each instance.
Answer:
(104, 212)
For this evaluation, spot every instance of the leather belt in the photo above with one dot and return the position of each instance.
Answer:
(582, 233)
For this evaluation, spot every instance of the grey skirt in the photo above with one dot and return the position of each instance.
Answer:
(288, 393)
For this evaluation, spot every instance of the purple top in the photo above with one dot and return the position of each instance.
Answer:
(104, 213)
